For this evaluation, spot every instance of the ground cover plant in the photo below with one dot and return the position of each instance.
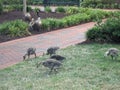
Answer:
(85, 68)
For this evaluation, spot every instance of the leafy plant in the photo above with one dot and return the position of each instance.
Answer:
(60, 10)
(1, 7)
(47, 9)
(107, 32)
(17, 28)
(72, 10)
(36, 10)
(20, 7)
(100, 3)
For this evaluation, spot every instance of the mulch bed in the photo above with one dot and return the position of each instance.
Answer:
(13, 15)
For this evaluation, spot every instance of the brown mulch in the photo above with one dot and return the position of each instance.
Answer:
(13, 15)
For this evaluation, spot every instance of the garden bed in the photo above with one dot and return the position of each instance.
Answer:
(14, 15)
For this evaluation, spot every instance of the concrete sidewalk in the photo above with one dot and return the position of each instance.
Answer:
(12, 52)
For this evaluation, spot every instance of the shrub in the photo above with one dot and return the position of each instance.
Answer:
(29, 9)
(48, 9)
(76, 19)
(8, 8)
(50, 23)
(85, 15)
(100, 4)
(19, 8)
(72, 10)
(1, 7)
(107, 32)
(36, 10)
(97, 14)
(60, 10)
(16, 28)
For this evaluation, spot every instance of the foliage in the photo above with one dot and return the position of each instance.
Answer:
(72, 10)
(97, 14)
(16, 28)
(36, 10)
(50, 24)
(47, 9)
(1, 7)
(107, 32)
(60, 10)
(84, 15)
(11, 2)
(101, 4)
(76, 19)
(8, 8)
(35, 2)
(85, 68)
(20, 7)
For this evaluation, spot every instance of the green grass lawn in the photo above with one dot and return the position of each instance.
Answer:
(84, 69)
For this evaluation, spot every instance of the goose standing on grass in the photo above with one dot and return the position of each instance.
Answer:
(113, 52)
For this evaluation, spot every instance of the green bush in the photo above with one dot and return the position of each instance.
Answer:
(8, 8)
(17, 28)
(36, 10)
(107, 32)
(1, 7)
(84, 15)
(60, 10)
(47, 9)
(18, 7)
(76, 19)
(72, 10)
(29, 9)
(97, 14)
(50, 24)
(100, 4)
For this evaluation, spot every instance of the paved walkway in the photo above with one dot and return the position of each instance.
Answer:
(12, 52)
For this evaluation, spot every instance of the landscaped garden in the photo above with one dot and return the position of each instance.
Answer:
(61, 18)
(85, 68)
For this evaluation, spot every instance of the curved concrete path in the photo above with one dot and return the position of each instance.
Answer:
(11, 52)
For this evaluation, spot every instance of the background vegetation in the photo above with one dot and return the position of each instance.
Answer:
(101, 3)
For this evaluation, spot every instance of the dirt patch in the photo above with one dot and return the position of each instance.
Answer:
(13, 15)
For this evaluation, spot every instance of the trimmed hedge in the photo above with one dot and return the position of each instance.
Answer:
(17, 28)
(106, 32)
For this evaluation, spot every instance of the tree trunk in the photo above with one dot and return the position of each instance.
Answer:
(24, 6)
